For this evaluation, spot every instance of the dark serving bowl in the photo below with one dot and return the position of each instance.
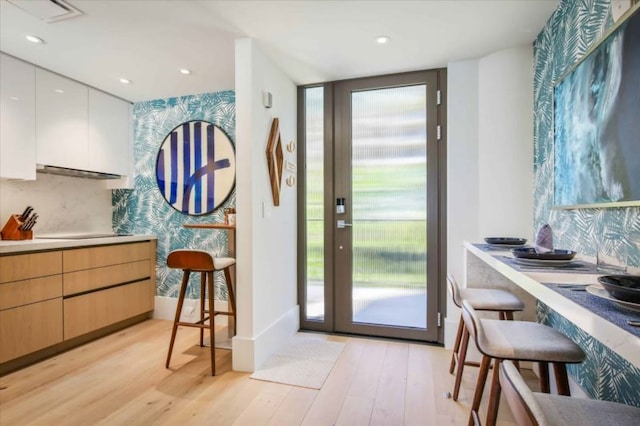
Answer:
(511, 241)
(531, 253)
(622, 287)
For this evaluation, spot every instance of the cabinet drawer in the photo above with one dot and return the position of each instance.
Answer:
(24, 292)
(25, 266)
(92, 311)
(30, 328)
(91, 279)
(96, 257)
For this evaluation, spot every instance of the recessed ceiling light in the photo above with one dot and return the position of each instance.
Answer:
(14, 98)
(34, 39)
(185, 71)
(382, 39)
(59, 91)
(125, 81)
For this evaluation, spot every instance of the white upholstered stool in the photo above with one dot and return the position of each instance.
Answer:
(481, 299)
(539, 409)
(517, 341)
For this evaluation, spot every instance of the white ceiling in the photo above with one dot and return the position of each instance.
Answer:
(313, 41)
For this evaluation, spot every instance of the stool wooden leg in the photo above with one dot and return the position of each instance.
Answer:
(494, 395)
(203, 279)
(232, 297)
(183, 290)
(477, 396)
(461, 361)
(456, 346)
(562, 381)
(212, 322)
(544, 377)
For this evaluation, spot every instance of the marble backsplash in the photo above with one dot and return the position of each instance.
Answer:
(64, 204)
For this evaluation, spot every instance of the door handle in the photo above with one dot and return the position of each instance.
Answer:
(341, 224)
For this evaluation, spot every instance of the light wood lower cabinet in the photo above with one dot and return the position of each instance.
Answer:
(92, 279)
(30, 303)
(20, 293)
(91, 311)
(49, 298)
(29, 328)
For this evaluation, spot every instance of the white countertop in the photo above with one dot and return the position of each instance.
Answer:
(22, 246)
(620, 341)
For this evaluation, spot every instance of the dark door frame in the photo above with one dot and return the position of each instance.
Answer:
(330, 133)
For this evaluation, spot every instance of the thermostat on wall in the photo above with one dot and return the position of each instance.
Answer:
(267, 99)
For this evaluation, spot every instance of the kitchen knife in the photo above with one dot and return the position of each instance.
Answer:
(25, 213)
(31, 222)
(23, 224)
(26, 223)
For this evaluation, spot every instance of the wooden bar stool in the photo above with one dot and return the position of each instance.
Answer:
(537, 409)
(481, 299)
(200, 261)
(517, 341)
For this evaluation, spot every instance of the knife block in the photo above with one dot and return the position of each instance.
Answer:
(10, 230)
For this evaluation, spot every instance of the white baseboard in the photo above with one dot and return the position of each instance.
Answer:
(250, 352)
(450, 329)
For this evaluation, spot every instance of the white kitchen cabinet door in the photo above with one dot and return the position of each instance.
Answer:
(108, 133)
(128, 180)
(17, 119)
(62, 132)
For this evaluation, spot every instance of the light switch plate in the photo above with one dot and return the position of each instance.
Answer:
(266, 210)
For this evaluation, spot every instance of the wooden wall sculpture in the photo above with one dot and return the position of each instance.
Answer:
(275, 160)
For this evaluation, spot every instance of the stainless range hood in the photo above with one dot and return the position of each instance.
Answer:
(63, 171)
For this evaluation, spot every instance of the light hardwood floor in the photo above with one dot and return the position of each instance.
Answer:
(120, 379)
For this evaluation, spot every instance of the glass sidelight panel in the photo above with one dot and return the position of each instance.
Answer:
(314, 136)
(389, 199)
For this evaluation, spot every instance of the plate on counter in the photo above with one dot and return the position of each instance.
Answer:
(531, 253)
(622, 287)
(506, 241)
(602, 293)
(543, 262)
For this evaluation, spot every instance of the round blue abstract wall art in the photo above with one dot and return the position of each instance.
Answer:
(196, 167)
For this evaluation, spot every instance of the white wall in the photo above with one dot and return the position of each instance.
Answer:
(505, 129)
(463, 220)
(266, 235)
(490, 155)
(64, 204)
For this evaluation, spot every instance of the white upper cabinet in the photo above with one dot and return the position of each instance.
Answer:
(62, 130)
(108, 133)
(17, 119)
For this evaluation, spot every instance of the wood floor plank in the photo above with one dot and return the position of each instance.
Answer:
(420, 392)
(263, 407)
(365, 383)
(390, 397)
(355, 411)
(294, 407)
(327, 404)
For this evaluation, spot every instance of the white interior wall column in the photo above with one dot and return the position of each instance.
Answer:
(462, 172)
(266, 237)
(490, 155)
(505, 130)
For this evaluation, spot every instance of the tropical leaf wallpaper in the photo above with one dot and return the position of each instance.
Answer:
(144, 210)
(603, 374)
(570, 32)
